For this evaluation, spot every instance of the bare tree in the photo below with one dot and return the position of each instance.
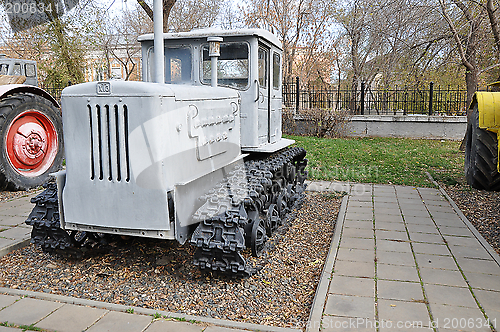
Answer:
(301, 25)
(187, 14)
(319, 53)
(352, 18)
(492, 15)
(495, 30)
(229, 17)
(125, 49)
(61, 39)
(167, 7)
(466, 43)
(194, 14)
(115, 41)
(382, 35)
(26, 44)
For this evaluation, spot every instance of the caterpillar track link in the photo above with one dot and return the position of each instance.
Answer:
(245, 209)
(47, 232)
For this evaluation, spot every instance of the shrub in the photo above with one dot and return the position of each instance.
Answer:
(319, 122)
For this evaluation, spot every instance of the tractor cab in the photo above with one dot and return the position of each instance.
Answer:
(19, 67)
(249, 61)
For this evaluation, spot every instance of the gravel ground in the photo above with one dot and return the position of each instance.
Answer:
(159, 274)
(482, 208)
(6, 195)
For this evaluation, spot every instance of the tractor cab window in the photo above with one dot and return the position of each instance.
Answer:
(178, 65)
(30, 70)
(4, 69)
(232, 66)
(276, 71)
(263, 68)
(16, 70)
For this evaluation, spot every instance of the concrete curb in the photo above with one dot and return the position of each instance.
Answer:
(14, 246)
(466, 221)
(314, 322)
(143, 311)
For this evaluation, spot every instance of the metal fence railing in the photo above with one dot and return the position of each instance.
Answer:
(431, 100)
(54, 92)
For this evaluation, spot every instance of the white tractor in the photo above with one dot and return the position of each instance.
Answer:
(196, 157)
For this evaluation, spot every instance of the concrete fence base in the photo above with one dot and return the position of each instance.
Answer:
(409, 126)
(405, 126)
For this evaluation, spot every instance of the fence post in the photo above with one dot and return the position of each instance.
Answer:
(431, 96)
(362, 98)
(338, 98)
(297, 94)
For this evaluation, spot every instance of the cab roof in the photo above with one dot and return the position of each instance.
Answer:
(5, 58)
(212, 32)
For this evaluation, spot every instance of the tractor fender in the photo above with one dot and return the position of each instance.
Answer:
(10, 89)
(60, 177)
(488, 105)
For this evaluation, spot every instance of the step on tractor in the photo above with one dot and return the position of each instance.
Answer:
(198, 158)
(31, 145)
(482, 167)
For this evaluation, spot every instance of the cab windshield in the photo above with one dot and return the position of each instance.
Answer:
(232, 66)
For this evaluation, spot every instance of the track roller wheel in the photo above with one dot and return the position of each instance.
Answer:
(273, 219)
(282, 204)
(258, 238)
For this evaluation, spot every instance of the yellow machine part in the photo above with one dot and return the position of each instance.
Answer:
(488, 105)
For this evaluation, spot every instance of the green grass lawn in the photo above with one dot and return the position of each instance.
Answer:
(383, 160)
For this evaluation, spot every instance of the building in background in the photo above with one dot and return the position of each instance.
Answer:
(117, 60)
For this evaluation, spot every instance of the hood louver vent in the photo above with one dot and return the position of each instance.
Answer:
(109, 148)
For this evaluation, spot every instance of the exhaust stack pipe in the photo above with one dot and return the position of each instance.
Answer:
(159, 50)
(214, 54)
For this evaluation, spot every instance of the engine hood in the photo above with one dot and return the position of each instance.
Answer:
(117, 88)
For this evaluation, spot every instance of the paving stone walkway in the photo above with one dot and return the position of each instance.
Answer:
(14, 233)
(57, 316)
(402, 259)
(405, 260)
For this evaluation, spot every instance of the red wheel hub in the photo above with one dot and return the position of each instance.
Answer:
(32, 143)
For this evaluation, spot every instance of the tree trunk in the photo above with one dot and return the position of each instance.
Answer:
(167, 7)
(74, 70)
(108, 66)
(146, 8)
(493, 23)
(471, 80)
(494, 26)
(354, 92)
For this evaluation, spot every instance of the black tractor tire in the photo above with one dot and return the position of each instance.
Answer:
(481, 155)
(31, 141)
